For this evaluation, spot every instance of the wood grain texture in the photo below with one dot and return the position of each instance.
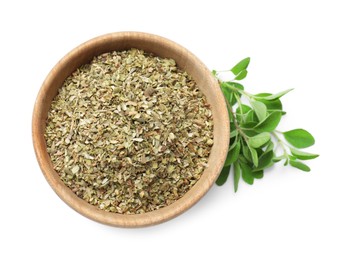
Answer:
(161, 47)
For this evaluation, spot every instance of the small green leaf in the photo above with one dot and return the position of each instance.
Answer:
(250, 117)
(299, 138)
(246, 153)
(258, 174)
(214, 72)
(270, 104)
(233, 133)
(229, 96)
(278, 159)
(237, 175)
(233, 142)
(247, 175)
(242, 65)
(232, 127)
(269, 147)
(259, 140)
(292, 158)
(260, 109)
(242, 159)
(243, 109)
(254, 156)
(223, 176)
(233, 154)
(275, 96)
(301, 166)
(241, 75)
(242, 112)
(269, 123)
(302, 155)
(248, 125)
(236, 85)
(266, 148)
(229, 93)
(250, 132)
(265, 161)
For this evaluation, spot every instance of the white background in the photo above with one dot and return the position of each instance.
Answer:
(287, 215)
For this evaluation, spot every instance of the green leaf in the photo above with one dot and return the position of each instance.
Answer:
(247, 175)
(259, 140)
(301, 166)
(299, 138)
(250, 117)
(229, 96)
(275, 96)
(258, 174)
(233, 133)
(236, 85)
(269, 123)
(246, 153)
(250, 132)
(286, 162)
(223, 176)
(233, 142)
(265, 161)
(242, 159)
(229, 93)
(214, 72)
(270, 104)
(232, 127)
(244, 108)
(233, 154)
(278, 159)
(260, 109)
(254, 156)
(303, 155)
(248, 125)
(242, 65)
(230, 114)
(242, 112)
(269, 147)
(292, 158)
(241, 75)
(237, 175)
(266, 148)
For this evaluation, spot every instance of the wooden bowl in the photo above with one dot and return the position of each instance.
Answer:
(163, 48)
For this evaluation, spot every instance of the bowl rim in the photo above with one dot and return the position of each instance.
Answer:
(116, 219)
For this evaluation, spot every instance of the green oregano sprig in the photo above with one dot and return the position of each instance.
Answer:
(255, 144)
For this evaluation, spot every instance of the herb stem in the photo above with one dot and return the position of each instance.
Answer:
(239, 105)
(219, 71)
(237, 90)
(281, 143)
(237, 126)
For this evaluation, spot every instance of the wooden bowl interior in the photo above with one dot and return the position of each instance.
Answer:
(162, 48)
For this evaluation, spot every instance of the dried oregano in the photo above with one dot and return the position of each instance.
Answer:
(129, 132)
